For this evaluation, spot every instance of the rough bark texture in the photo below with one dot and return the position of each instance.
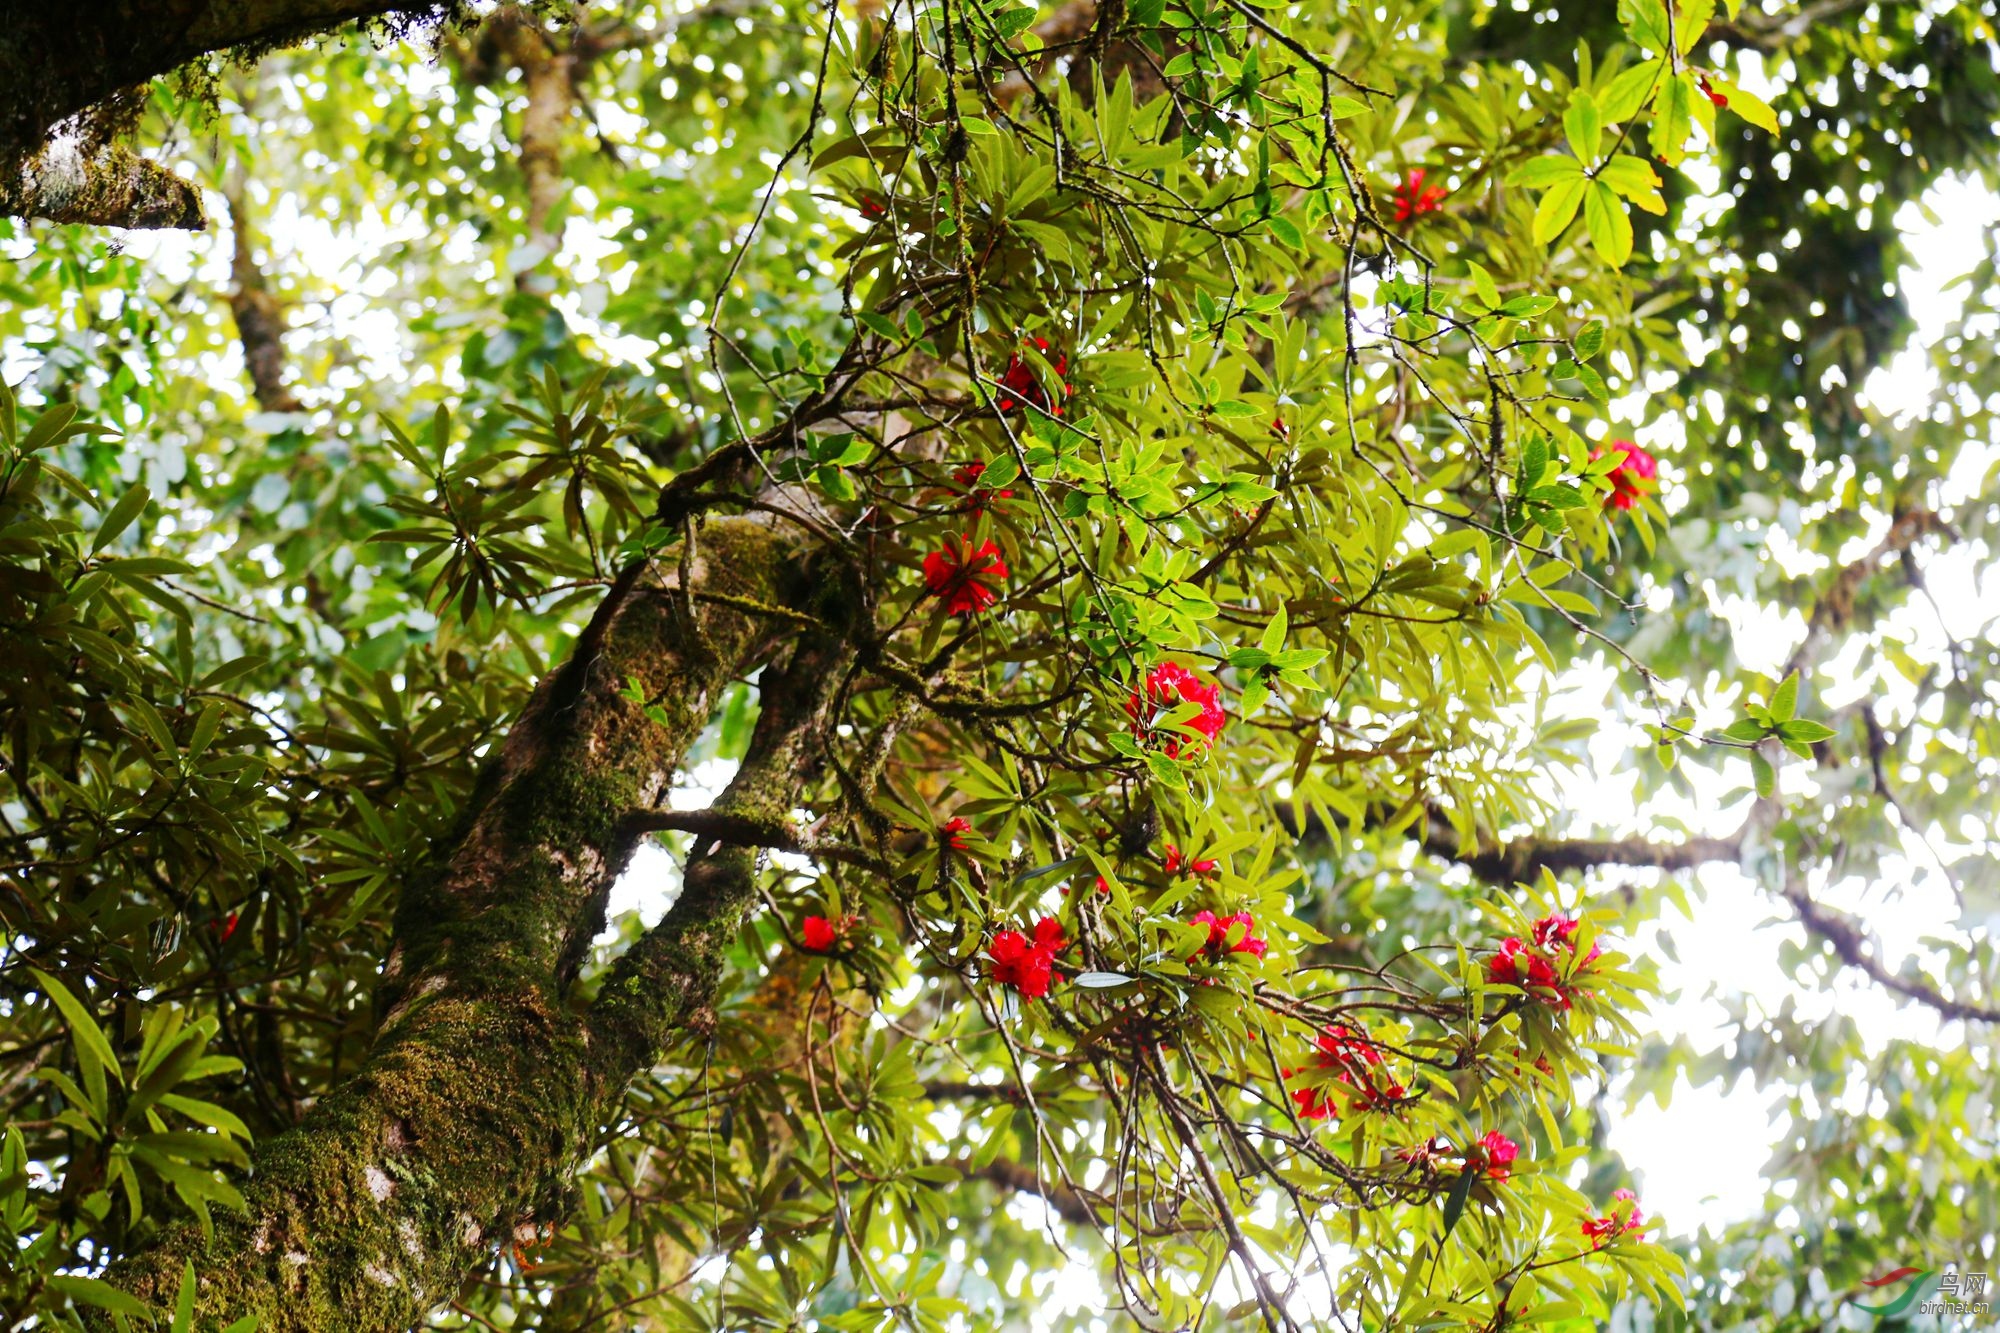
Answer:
(260, 318)
(57, 61)
(107, 187)
(548, 75)
(488, 1085)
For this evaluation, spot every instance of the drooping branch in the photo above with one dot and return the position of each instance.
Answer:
(1853, 947)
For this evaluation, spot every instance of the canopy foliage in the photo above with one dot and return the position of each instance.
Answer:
(1102, 543)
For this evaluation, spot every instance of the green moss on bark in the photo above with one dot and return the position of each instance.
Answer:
(484, 1091)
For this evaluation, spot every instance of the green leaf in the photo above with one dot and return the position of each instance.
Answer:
(1558, 206)
(1763, 774)
(1673, 118)
(1285, 230)
(49, 427)
(1454, 1204)
(1610, 227)
(1691, 20)
(1645, 22)
(1805, 730)
(1540, 173)
(97, 1292)
(1632, 89)
(1483, 284)
(1102, 980)
(184, 1302)
(1784, 703)
(129, 506)
(1635, 179)
(83, 1029)
(1745, 103)
(1582, 126)
(1590, 341)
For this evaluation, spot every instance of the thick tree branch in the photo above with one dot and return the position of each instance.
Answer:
(105, 186)
(485, 1089)
(664, 982)
(1069, 1204)
(513, 37)
(59, 61)
(1854, 948)
(260, 319)
(1515, 862)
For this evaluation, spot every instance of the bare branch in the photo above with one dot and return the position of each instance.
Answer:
(1517, 861)
(1854, 948)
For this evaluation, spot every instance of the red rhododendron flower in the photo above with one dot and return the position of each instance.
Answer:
(953, 832)
(1023, 386)
(1175, 864)
(1219, 930)
(1515, 964)
(1028, 965)
(1358, 1060)
(1167, 686)
(1499, 1153)
(978, 497)
(1413, 200)
(1637, 474)
(1624, 1216)
(1558, 932)
(819, 934)
(968, 578)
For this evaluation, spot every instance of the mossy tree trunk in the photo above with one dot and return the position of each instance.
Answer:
(488, 1083)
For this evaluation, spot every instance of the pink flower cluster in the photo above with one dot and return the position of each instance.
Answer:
(1028, 965)
(1533, 966)
(1622, 1217)
(1166, 687)
(1359, 1062)
(1220, 928)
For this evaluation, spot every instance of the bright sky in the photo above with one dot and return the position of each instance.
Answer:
(1699, 1159)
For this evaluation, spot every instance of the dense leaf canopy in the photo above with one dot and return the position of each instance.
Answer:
(1076, 606)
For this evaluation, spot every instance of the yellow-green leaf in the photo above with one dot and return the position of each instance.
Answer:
(1610, 227)
(1558, 206)
(1583, 126)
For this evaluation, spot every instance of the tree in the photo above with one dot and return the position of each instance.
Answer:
(1080, 531)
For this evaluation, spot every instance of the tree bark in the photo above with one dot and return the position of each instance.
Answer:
(57, 61)
(489, 1082)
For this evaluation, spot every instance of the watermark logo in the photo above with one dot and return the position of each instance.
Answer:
(1899, 1307)
(1954, 1293)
